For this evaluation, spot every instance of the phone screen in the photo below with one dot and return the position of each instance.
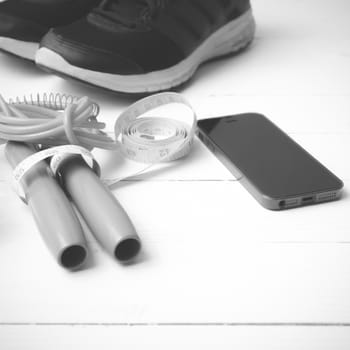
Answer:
(275, 164)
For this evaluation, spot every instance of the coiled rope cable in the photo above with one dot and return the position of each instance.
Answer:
(53, 120)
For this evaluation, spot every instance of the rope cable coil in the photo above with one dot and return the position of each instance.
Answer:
(53, 120)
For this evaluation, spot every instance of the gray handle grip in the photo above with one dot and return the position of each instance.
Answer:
(102, 212)
(51, 209)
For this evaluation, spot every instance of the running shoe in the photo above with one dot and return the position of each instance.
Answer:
(145, 46)
(23, 23)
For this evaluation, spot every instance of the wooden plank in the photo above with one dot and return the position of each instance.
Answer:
(294, 52)
(35, 337)
(211, 253)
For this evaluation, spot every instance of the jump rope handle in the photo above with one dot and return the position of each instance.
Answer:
(105, 217)
(53, 213)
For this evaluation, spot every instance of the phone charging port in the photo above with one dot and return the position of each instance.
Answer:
(307, 200)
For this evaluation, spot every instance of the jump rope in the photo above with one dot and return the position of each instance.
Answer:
(64, 129)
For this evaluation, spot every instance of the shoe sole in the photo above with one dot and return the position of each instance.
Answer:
(23, 49)
(231, 38)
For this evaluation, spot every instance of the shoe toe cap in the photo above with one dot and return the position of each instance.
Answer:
(87, 55)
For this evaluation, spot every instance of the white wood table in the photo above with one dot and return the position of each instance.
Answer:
(217, 270)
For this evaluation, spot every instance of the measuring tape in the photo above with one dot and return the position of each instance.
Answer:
(137, 133)
(135, 136)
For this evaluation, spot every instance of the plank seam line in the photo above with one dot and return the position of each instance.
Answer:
(180, 324)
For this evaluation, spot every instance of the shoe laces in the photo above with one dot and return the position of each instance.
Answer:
(130, 13)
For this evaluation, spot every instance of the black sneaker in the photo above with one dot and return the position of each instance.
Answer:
(23, 23)
(144, 46)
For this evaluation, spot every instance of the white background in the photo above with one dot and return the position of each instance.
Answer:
(217, 269)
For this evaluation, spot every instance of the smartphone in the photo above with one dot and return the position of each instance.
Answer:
(276, 170)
